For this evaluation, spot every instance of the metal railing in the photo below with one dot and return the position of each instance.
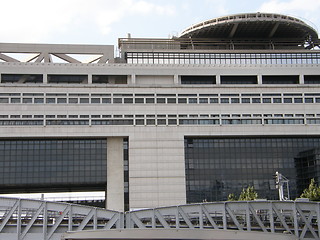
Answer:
(298, 218)
(22, 219)
(35, 219)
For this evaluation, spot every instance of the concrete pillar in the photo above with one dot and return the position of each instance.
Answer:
(176, 79)
(301, 79)
(218, 79)
(89, 78)
(259, 79)
(45, 78)
(115, 175)
(133, 79)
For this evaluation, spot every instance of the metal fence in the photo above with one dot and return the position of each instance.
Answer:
(34, 219)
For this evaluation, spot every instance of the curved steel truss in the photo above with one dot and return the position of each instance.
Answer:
(33, 219)
(298, 218)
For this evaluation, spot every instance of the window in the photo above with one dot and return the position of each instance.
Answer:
(67, 79)
(4, 100)
(308, 100)
(287, 100)
(95, 100)
(139, 100)
(245, 100)
(106, 100)
(256, 100)
(50, 100)
(15, 100)
(73, 100)
(235, 100)
(280, 79)
(161, 100)
(39, 100)
(161, 122)
(277, 100)
(182, 100)
(198, 79)
(171, 100)
(214, 100)
(216, 167)
(84, 100)
(27, 100)
(117, 100)
(149, 100)
(21, 78)
(239, 80)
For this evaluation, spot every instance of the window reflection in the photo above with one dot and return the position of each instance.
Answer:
(216, 167)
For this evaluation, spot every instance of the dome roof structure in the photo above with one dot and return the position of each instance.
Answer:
(263, 26)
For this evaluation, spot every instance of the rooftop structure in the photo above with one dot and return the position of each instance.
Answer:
(254, 26)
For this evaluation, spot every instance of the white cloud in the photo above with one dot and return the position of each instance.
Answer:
(39, 20)
(307, 10)
(219, 7)
(293, 5)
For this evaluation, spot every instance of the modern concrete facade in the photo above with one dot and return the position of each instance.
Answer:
(241, 76)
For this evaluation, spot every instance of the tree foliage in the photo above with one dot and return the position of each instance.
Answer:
(247, 194)
(232, 197)
(312, 192)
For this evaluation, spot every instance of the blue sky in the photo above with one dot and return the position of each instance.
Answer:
(104, 21)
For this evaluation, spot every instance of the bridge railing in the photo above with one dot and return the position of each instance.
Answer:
(298, 218)
(23, 218)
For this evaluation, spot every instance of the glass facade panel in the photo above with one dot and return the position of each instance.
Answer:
(53, 164)
(216, 167)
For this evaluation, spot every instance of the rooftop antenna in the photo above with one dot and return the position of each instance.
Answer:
(282, 183)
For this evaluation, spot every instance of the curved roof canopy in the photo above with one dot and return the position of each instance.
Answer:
(253, 26)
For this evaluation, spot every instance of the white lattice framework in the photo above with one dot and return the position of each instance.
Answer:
(50, 53)
(298, 218)
(34, 219)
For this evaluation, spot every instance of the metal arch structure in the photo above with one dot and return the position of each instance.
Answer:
(292, 217)
(22, 219)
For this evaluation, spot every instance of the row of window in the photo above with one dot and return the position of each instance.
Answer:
(244, 98)
(117, 116)
(221, 58)
(160, 122)
(184, 79)
(150, 94)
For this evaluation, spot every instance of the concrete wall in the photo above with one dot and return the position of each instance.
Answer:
(156, 153)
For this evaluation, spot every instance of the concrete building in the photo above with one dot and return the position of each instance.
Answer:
(221, 107)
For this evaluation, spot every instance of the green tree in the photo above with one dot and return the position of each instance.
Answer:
(232, 197)
(312, 192)
(248, 194)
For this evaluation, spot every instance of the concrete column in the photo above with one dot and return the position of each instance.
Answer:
(133, 79)
(218, 79)
(259, 79)
(45, 78)
(89, 78)
(176, 79)
(301, 79)
(115, 175)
